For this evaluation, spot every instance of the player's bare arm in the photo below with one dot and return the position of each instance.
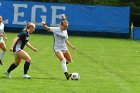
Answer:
(13, 43)
(70, 45)
(45, 26)
(31, 47)
(4, 36)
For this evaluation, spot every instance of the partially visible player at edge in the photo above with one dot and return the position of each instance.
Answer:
(17, 47)
(2, 44)
(60, 41)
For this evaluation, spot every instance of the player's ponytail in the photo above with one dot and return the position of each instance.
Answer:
(64, 18)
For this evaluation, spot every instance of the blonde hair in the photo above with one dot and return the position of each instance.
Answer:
(28, 25)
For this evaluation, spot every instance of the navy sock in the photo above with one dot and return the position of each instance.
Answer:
(12, 67)
(26, 67)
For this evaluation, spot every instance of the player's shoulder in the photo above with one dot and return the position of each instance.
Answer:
(2, 24)
(66, 31)
(23, 32)
(54, 29)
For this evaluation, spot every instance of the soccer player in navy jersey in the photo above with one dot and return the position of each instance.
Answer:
(17, 47)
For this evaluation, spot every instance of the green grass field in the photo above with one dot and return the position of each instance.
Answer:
(105, 65)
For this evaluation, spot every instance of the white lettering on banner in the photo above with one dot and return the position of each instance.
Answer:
(33, 15)
(19, 11)
(54, 16)
(6, 21)
(17, 14)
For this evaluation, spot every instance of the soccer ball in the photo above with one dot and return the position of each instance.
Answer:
(75, 76)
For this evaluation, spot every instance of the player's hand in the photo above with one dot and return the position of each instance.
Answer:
(43, 23)
(1, 35)
(5, 38)
(74, 48)
(35, 49)
(11, 49)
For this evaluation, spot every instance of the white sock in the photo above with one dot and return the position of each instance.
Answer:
(2, 54)
(64, 66)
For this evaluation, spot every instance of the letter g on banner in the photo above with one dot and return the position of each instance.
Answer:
(33, 15)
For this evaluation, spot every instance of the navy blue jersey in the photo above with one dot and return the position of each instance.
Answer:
(23, 39)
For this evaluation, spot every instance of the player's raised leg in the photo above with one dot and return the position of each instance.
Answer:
(68, 56)
(60, 55)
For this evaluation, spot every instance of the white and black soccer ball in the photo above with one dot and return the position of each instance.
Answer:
(75, 76)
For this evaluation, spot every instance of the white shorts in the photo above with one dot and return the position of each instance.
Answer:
(63, 51)
(16, 50)
(1, 40)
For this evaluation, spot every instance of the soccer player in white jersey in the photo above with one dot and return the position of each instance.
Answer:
(2, 44)
(60, 44)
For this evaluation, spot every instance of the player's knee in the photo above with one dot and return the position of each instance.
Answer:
(17, 63)
(28, 60)
(69, 60)
(4, 50)
(63, 60)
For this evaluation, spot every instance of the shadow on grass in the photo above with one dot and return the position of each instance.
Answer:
(48, 78)
(34, 78)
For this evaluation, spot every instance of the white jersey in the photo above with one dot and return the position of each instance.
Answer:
(1, 28)
(60, 38)
(1, 31)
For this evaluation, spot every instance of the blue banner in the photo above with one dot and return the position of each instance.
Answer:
(81, 17)
(136, 33)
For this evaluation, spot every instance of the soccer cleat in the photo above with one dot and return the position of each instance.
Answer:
(67, 62)
(68, 76)
(1, 62)
(7, 74)
(26, 76)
